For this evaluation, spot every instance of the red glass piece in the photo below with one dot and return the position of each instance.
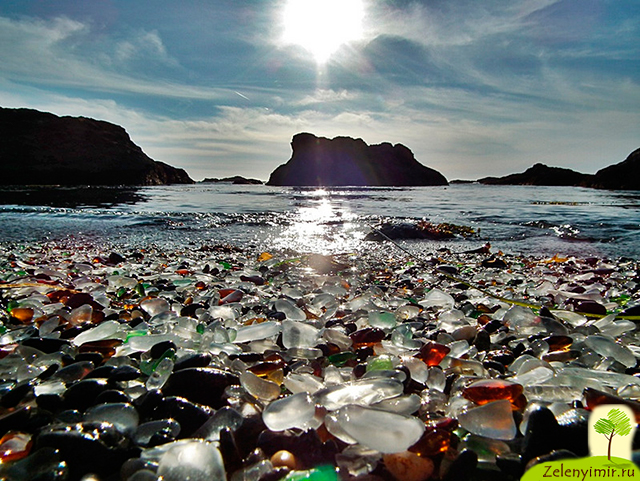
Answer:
(14, 446)
(488, 390)
(433, 353)
(594, 397)
(367, 337)
(432, 442)
(230, 295)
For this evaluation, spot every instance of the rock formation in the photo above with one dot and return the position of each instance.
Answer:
(42, 148)
(345, 161)
(623, 175)
(541, 174)
(236, 179)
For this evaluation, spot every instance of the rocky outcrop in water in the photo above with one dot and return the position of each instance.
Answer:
(624, 175)
(42, 148)
(541, 174)
(236, 179)
(346, 161)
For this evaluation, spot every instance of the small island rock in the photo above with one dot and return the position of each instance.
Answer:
(236, 179)
(342, 161)
(44, 149)
(541, 174)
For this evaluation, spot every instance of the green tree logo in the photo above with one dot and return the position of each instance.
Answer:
(616, 422)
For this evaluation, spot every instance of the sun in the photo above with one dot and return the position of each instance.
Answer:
(322, 26)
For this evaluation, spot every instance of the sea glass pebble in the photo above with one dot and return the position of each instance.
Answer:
(123, 416)
(493, 420)
(380, 430)
(294, 411)
(192, 461)
(362, 392)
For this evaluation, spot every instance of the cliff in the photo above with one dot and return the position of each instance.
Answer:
(345, 161)
(42, 148)
(620, 176)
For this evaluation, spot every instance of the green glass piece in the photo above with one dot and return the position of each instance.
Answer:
(121, 292)
(182, 282)
(379, 363)
(140, 289)
(146, 367)
(321, 473)
(3, 329)
(12, 305)
(134, 334)
(226, 265)
(341, 358)
(200, 329)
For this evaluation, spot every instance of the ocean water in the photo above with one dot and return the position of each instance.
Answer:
(514, 219)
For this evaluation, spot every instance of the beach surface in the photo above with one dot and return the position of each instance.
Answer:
(225, 362)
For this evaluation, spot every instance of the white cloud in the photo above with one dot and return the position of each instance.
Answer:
(53, 53)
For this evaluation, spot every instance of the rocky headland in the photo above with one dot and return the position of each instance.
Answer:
(236, 179)
(319, 161)
(624, 175)
(41, 148)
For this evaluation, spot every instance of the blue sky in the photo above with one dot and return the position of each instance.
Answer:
(473, 88)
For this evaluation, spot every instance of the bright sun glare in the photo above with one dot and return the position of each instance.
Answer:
(322, 26)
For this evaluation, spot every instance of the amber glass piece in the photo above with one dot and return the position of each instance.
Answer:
(561, 356)
(265, 256)
(483, 319)
(432, 353)
(594, 397)
(284, 458)
(367, 337)
(14, 446)
(263, 369)
(60, 295)
(558, 343)
(488, 390)
(23, 314)
(230, 295)
(432, 442)
(107, 347)
(276, 376)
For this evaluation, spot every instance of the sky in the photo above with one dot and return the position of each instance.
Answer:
(219, 87)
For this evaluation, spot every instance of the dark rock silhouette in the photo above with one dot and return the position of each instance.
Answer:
(345, 161)
(40, 148)
(236, 179)
(620, 176)
(541, 174)
(624, 175)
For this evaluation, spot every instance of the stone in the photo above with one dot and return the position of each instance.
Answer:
(202, 385)
(347, 161)
(87, 447)
(408, 466)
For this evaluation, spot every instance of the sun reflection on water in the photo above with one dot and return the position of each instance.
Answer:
(322, 224)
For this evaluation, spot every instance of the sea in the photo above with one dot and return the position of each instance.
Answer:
(518, 220)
